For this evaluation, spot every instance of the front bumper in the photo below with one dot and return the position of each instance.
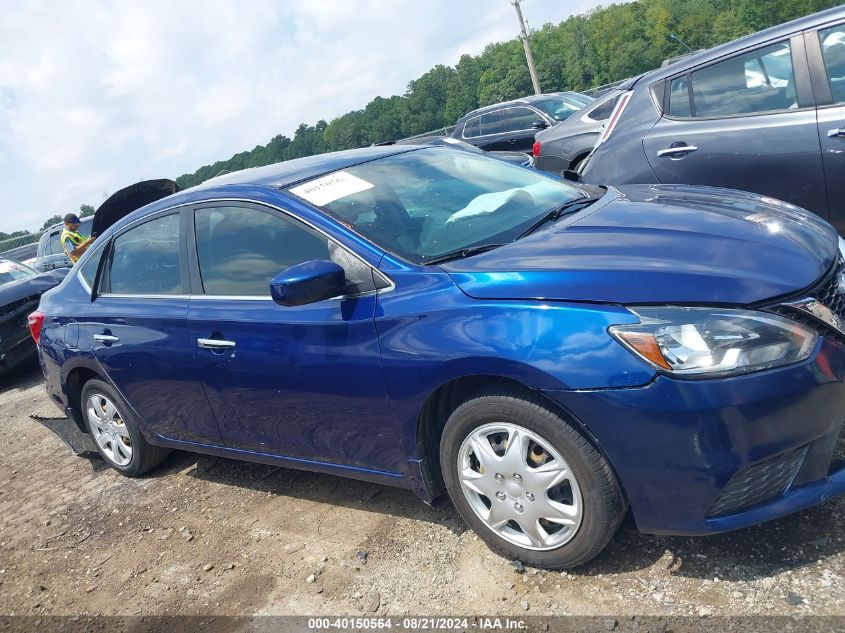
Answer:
(679, 447)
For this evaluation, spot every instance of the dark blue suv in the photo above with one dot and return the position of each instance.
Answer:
(765, 113)
(549, 354)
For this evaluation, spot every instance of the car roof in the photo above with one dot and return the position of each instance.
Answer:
(522, 101)
(780, 31)
(296, 170)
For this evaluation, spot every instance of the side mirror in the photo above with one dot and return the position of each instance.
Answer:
(308, 282)
(539, 125)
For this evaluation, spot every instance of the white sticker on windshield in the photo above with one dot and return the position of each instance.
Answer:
(329, 188)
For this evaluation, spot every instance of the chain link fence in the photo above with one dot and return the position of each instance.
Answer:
(20, 247)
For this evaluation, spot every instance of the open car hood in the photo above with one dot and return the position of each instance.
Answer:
(128, 199)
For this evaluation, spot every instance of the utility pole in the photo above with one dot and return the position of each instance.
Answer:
(528, 56)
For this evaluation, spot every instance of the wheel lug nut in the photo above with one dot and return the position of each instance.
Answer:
(517, 477)
(499, 477)
(517, 507)
(500, 496)
(529, 496)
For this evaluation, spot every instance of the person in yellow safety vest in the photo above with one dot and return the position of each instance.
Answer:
(73, 243)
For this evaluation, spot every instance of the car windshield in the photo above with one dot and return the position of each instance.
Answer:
(559, 108)
(423, 204)
(13, 271)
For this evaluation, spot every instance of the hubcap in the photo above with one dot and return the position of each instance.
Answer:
(520, 486)
(109, 429)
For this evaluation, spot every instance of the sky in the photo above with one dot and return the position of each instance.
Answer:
(98, 94)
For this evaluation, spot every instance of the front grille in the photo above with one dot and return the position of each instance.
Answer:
(752, 485)
(830, 292)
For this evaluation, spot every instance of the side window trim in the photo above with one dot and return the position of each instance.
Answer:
(198, 290)
(819, 77)
(466, 124)
(799, 67)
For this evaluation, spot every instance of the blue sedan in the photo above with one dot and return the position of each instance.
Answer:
(548, 354)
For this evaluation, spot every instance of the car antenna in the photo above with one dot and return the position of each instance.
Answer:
(674, 37)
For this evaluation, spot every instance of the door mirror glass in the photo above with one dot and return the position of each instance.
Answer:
(308, 282)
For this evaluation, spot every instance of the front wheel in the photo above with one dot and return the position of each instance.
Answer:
(527, 481)
(115, 433)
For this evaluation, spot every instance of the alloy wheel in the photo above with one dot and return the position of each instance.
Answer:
(109, 429)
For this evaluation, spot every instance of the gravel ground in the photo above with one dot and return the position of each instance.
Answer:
(204, 535)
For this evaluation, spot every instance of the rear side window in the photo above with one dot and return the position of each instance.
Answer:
(471, 128)
(519, 119)
(145, 259)
(492, 123)
(603, 110)
(88, 270)
(753, 83)
(833, 50)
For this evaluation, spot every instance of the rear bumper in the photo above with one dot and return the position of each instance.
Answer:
(699, 457)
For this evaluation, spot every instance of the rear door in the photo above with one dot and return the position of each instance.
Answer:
(746, 122)
(137, 329)
(826, 52)
(491, 133)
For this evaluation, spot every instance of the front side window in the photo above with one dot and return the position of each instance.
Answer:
(521, 119)
(753, 83)
(833, 50)
(145, 259)
(240, 249)
(423, 204)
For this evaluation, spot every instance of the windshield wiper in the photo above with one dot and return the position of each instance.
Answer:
(558, 212)
(461, 253)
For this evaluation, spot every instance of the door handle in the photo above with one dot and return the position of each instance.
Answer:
(836, 133)
(108, 339)
(215, 343)
(680, 150)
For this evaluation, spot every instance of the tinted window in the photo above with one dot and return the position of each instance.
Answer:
(145, 259)
(492, 123)
(603, 110)
(679, 97)
(519, 119)
(760, 81)
(833, 49)
(241, 249)
(53, 245)
(471, 128)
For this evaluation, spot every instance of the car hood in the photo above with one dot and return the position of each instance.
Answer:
(660, 244)
(128, 199)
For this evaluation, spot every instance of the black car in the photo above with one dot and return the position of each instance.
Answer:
(511, 125)
(20, 290)
(50, 254)
(515, 158)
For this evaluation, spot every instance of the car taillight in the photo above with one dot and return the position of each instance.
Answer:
(614, 117)
(536, 149)
(35, 322)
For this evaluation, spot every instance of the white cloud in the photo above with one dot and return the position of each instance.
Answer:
(96, 94)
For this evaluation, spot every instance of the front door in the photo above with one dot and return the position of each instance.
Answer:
(831, 118)
(138, 331)
(744, 123)
(305, 381)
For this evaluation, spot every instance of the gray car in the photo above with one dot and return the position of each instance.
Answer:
(50, 254)
(566, 144)
(764, 113)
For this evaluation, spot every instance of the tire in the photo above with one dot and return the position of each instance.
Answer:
(115, 431)
(587, 495)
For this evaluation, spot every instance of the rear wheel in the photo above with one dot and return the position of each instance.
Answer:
(527, 481)
(115, 433)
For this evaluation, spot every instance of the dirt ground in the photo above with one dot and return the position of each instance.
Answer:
(204, 535)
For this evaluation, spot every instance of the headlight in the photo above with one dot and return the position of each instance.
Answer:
(708, 342)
